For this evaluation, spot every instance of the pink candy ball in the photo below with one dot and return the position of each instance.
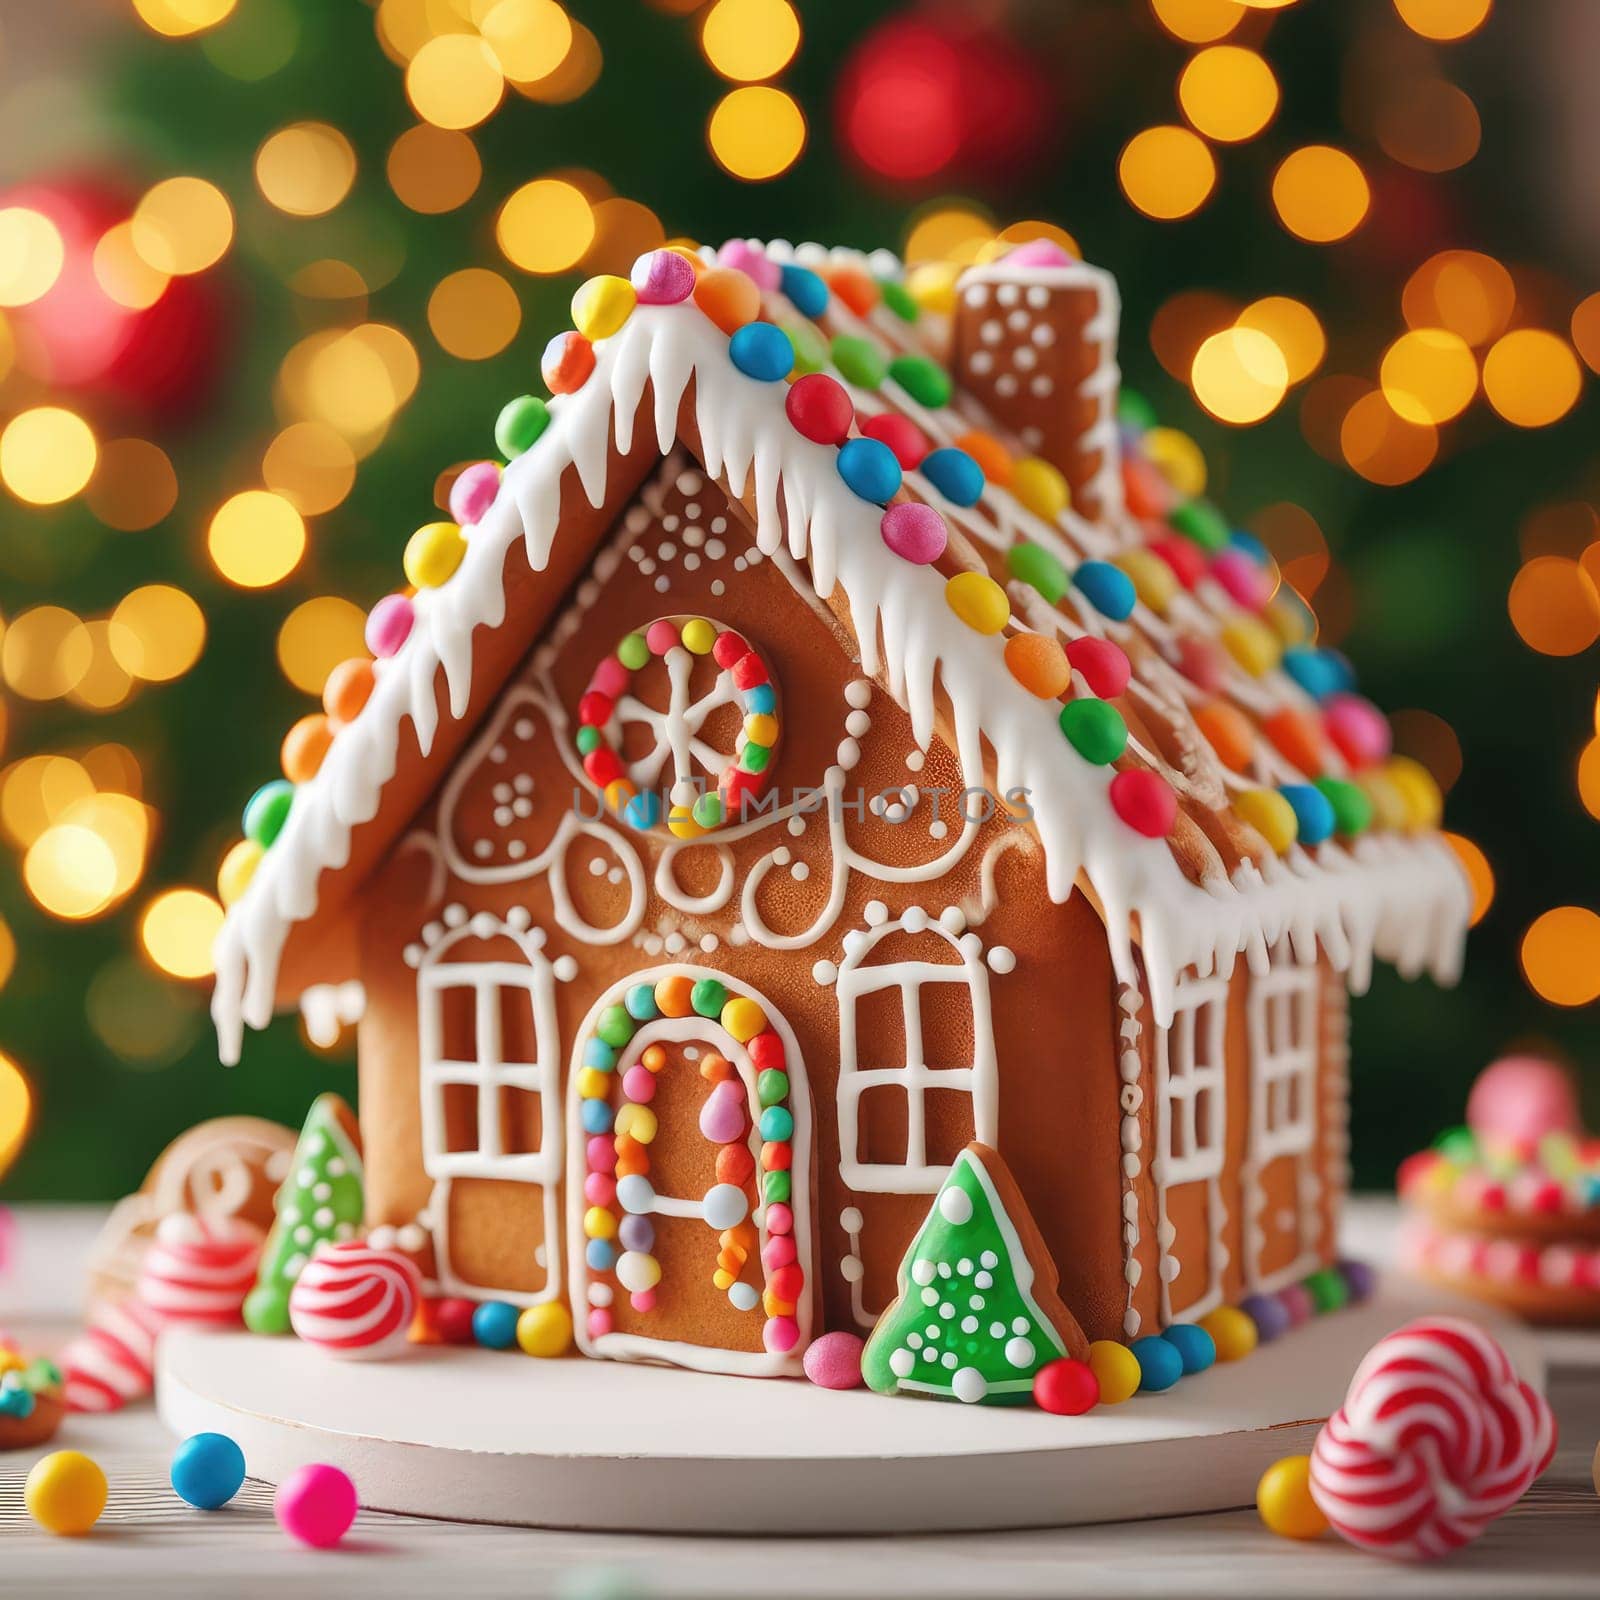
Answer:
(315, 1504)
(914, 532)
(662, 278)
(643, 1299)
(834, 1361)
(599, 1189)
(778, 1252)
(599, 1323)
(780, 1334)
(610, 678)
(1246, 583)
(1039, 253)
(639, 1084)
(602, 1153)
(780, 1219)
(473, 492)
(389, 625)
(661, 637)
(753, 263)
(1359, 730)
(1523, 1098)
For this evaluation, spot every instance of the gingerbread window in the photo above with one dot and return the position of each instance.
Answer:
(1283, 1047)
(1190, 1062)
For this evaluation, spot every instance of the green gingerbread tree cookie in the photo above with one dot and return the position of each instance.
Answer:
(320, 1200)
(976, 1314)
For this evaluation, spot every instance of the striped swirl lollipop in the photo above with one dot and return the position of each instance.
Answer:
(1436, 1438)
(356, 1302)
(199, 1269)
(111, 1363)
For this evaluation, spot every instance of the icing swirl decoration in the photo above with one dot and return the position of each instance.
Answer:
(679, 760)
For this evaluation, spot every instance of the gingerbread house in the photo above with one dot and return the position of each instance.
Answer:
(840, 731)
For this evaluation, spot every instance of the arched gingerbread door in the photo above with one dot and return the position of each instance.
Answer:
(689, 1189)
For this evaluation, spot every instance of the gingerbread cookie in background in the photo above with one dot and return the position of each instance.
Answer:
(1507, 1208)
(31, 1401)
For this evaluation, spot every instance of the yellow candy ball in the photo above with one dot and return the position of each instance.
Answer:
(761, 728)
(636, 1122)
(1389, 808)
(1232, 1331)
(1252, 644)
(1116, 1369)
(681, 823)
(979, 601)
(1177, 458)
(598, 1223)
(743, 1018)
(1283, 1497)
(699, 636)
(592, 1083)
(933, 286)
(1419, 793)
(1154, 581)
(1270, 815)
(433, 553)
(1040, 487)
(602, 305)
(237, 869)
(65, 1492)
(545, 1330)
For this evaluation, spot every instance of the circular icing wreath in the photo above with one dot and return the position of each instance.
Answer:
(694, 807)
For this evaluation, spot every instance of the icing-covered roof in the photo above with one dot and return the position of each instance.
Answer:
(1242, 797)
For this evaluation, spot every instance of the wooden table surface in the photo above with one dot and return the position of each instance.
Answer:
(149, 1543)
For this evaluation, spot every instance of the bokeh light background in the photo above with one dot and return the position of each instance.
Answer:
(269, 267)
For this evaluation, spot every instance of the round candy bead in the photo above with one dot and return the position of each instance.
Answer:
(1313, 815)
(65, 1492)
(494, 1325)
(954, 474)
(1358, 729)
(729, 297)
(207, 1470)
(1041, 252)
(267, 810)
(1283, 1497)
(1228, 731)
(1296, 1302)
(1107, 588)
(870, 469)
(1316, 671)
(1232, 1332)
(662, 278)
(859, 360)
(519, 425)
(433, 553)
(1039, 664)
(304, 747)
(901, 434)
(780, 1334)
(1246, 584)
(1298, 735)
(996, 461)
(473, 492)
(1203, 662)
(923, 379)
(761, 351)
(1160, 1365)
(566, 364)
(1251, 643)
(810, 349)
(315, 1505)
(1153, 580)
(637, 1271)
(545, 1330)
(1096, 730)
(1040, 487)
(724, 1206)
(237, 869)
(932, 286)
(1187, 561)
(1270, 815)
(1352, 810)
(1201, 521)
(756, 264)
(1268, 1314)
(1116, 1370)
(348, 689)
(1035, 566)
(834, 1361)
(1066, 1387)
(855, 288)
(915, 532)
(1145, 801)
(602, 305)
(389, 625)
(1418, 791)
(1104, 665)
(1196, 1348)
(803, 289)
(452, 1317)
(819, 408)
(1327, 1289)
(978, 601)
(1359, 1280)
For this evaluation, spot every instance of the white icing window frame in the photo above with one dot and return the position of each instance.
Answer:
(915, 1175)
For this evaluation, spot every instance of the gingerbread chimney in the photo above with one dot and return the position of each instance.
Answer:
(1035, 341)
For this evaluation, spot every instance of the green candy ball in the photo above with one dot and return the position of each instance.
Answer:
(859, 360)
(1096, 730)
(519, 424)
(1032, 564)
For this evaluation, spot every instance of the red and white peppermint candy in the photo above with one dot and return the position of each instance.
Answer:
(112, 1362)
(354, 1301)
(199, 1269)
(1436, 1438)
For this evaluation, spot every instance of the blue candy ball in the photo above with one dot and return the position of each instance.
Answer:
(1268, 1314)
(763, 351)
(1160, 1365)
(1107, 588)
(776, 1124)
(1312, 811)
(596, 1116)
(494, 1325)
(207, 1470)
(1250, 546)
(954, 474)
(643, 811)
(1196, 1348)
(870, 468)
(805, 291)
(600, 1255)
(1318, 672)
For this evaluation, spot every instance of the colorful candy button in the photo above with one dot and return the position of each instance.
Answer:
(762, 351)
(1316, 671)
(810, 348)
(1251, 643)
(1160, 1364)
(933, 286)
(1270, 815)
(65, 1492)
(267, 810)
(545, 1330)
(1194, 1345)
(1313, 814)
(856, 289)
(304, 748)
(1037, 567)
(1418, 791)
(566, 364)
(859, 360)
(901, 434)
(602, 305)
(1116, 1371)
(1104, 665)
(1040, 487)
(1201, 521)
(978, 601)
(207, 1470)
(519, 424)
(819, 408)
(915, 532)
(1283, 1499)
(348, 689)
(237, 869)
(899, 300)
(1228, 731)
(954, 474)
(1352, 810)
(473, 492)
(991, 455)
(729, 297)
(1154, 580)
(662, 278)
(1358, 729)
(804, 290)
(1096, 730)
(1145, 801)
(923, 379)
(1039, 664)
(1232, 1332)
(870, 469)
(433, 553)
(389, 625)
(752, 260)
(1107, 588)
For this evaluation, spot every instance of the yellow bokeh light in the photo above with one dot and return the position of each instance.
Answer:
(31, 255)
(1589, 777)
(404, 26)
(1198, 21)
(123, 273)
(311, 465)
(1532, 378)
(176, 19)
(160, 632)
(71, 871)
(748, 40)
(133, 486)
(47, 455)
(530, 38)
(256, 539)
(1167, 172)
(16, 1110)
(316, 636)
(1554, 606)
(433, 169)
(354, 380)
(1293, 327)
(183, 225)
(756, 133)
(137, 1015)
(1240, 375)
(1586, 331)
(1384, 447)
(545, 226)
(1479, 874)
(106, 683)
(1429, 125)
(455, 81)
(1228, 93)
(306, 169)
(1443, 19)
(1321, 194)
(40, 790)
(1183, 323)
(1463, 290)
(178, 929)
(474, 313)
(45, 652)
(624, 230)
(8, 959)
(1429, 375)
(575, 76)
(948, 233)
(1561, 956)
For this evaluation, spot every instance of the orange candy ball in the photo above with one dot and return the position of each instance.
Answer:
(1298, 738)
(347, 689)
(568, 361)
(728, 297)
(735, 1164)
(1228, 731)
(997, 462)
(673, 997)
(1039, 665)
(304, 747)
(855, 288)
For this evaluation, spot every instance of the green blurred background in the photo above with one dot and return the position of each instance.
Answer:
(295, 330)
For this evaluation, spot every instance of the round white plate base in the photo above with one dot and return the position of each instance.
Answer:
(484, 1436)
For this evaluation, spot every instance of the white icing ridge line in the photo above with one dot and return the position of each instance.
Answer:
(1404, 901)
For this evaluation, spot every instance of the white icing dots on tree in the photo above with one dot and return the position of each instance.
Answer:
(955, 1206)
(969, 1385)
